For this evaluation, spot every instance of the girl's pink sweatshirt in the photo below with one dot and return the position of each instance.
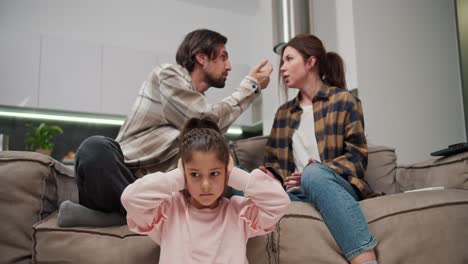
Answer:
(189, 235)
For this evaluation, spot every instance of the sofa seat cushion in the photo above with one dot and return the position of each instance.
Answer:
(116, 244)
(32, 187)
(419, 227)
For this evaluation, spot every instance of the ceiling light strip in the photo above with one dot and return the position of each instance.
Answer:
(88, 120)
(65, 118)
(234, 131)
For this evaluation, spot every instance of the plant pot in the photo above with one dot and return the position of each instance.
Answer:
(44, 151)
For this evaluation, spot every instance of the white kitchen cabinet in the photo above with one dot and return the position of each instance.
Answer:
(19, 68)
(70, 75)
(123, 73)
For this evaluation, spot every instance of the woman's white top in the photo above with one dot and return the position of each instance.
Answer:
(304, 141)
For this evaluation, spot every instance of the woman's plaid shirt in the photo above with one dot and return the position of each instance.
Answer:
(339, 129)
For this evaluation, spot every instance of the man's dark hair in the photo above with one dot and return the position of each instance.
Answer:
(201, 40)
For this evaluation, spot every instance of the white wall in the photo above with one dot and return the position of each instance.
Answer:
(154, 25)
(462, 13)
(264, 45)
(409, 76)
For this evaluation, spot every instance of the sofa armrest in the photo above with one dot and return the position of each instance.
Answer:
(449, 172)
(32, 187)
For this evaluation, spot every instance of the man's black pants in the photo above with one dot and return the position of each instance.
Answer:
(101, 174)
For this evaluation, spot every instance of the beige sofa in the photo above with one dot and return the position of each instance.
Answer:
(416, 227)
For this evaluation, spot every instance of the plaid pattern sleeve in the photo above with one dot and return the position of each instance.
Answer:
(277, 153)
(339, 130)
(348, 157)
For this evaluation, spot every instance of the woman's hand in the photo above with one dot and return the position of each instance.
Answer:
(293, 180)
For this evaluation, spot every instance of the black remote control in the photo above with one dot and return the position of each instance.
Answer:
(451, 150)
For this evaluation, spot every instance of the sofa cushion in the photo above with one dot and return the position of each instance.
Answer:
(117, 244)
(248, 153)
(381, 169)
(450, 172)
(420, 227)
(32, 187)
(302, 236)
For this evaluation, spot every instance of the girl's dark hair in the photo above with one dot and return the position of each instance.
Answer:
(203, 134)
(201, 40)
(331, 65)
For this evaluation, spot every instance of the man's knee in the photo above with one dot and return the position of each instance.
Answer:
(95, 148)
(95, 156)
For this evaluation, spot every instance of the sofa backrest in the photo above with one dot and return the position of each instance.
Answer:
(450, 172)
(381, 169)
(248, 153)
(380, 174)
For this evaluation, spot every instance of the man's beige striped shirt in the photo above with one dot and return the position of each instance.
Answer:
(167, 99)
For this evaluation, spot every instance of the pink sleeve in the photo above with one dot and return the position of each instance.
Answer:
(149, 198)
(265, 200)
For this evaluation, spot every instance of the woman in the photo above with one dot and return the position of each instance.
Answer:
(317, 144)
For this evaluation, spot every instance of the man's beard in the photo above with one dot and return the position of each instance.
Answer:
(216, 82)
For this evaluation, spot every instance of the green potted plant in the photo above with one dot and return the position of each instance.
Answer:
(39, 138)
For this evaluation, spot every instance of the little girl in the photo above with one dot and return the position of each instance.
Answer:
(184, 210)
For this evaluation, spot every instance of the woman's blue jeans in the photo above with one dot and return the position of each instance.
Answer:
(336, 200)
